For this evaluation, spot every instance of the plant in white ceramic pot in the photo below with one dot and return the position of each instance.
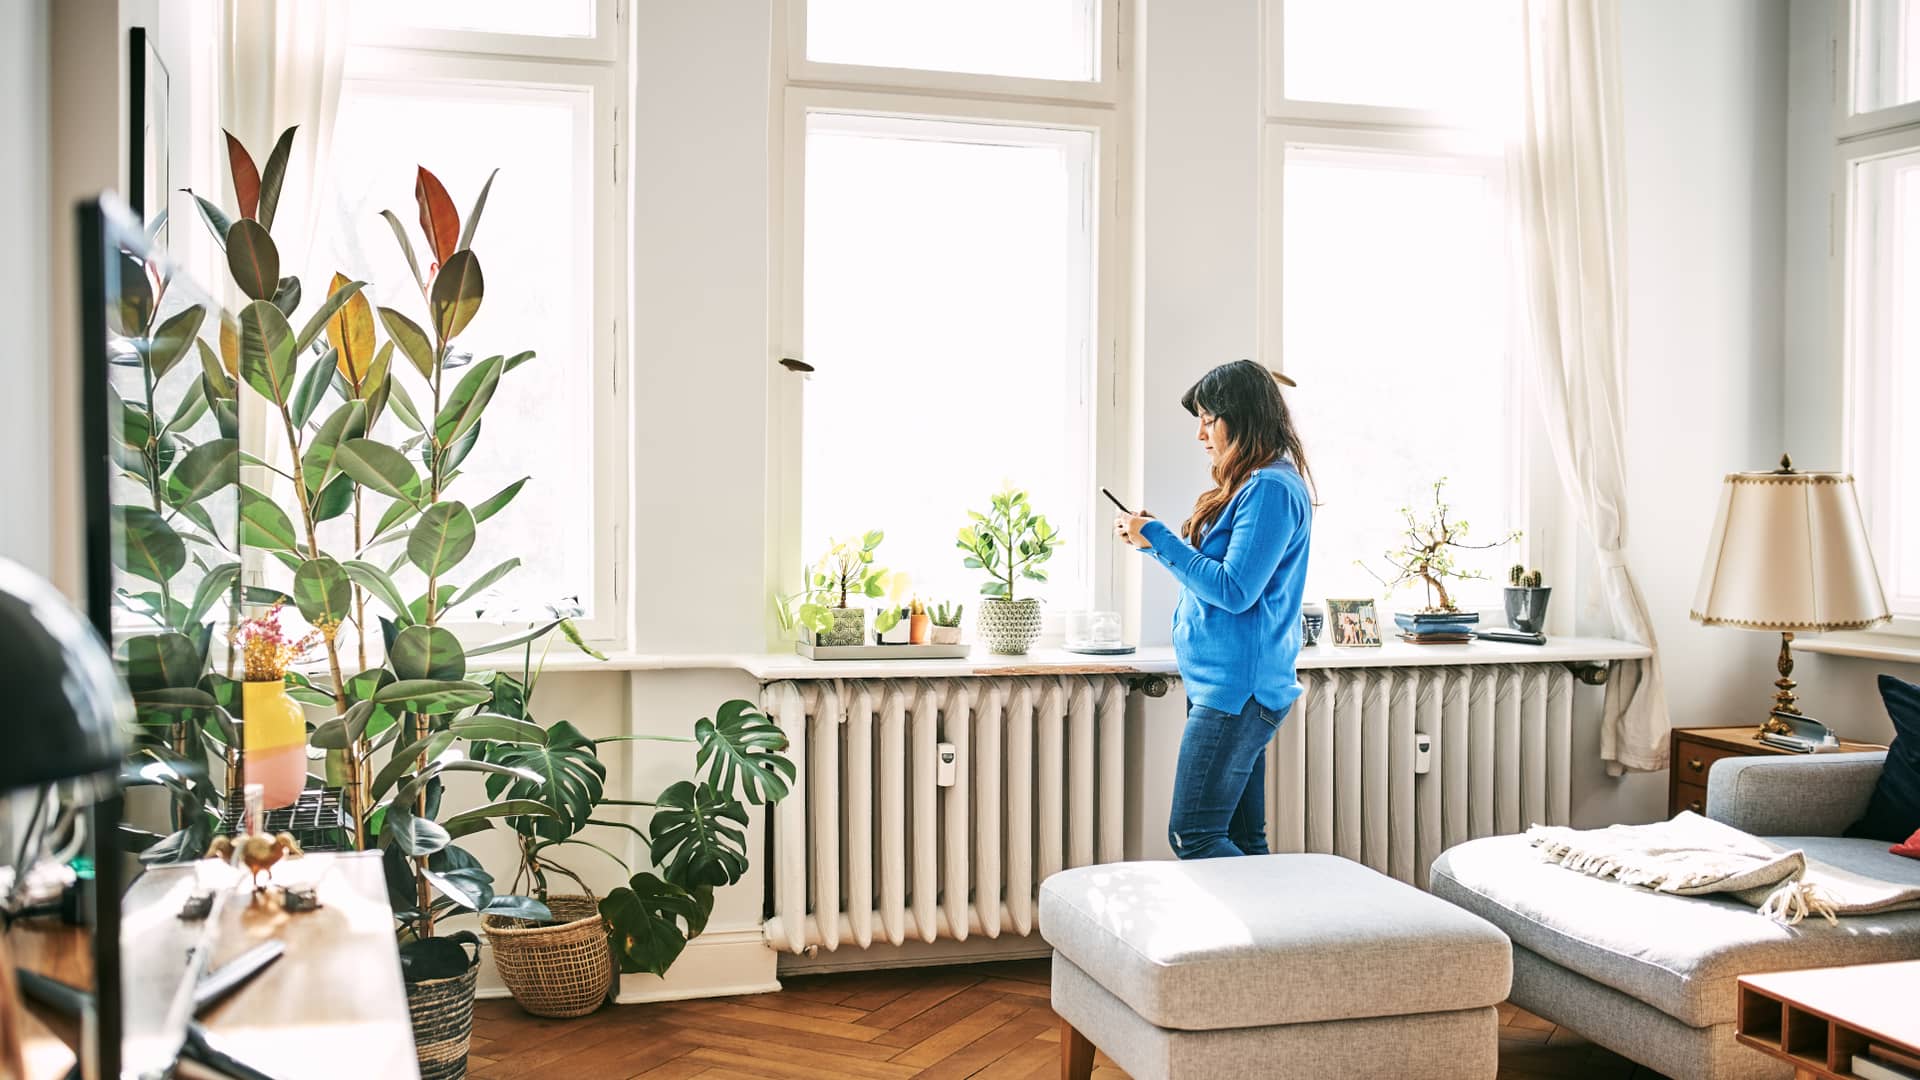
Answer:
(946, 623)
(1009, 542)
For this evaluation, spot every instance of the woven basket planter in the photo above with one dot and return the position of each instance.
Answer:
(554, 970)
(442, 1011)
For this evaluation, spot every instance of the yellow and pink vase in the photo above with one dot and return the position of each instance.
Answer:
(275, 739)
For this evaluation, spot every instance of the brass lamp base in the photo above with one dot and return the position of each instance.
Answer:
(1784, 699)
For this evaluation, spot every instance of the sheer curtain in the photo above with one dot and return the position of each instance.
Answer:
(1569, 230)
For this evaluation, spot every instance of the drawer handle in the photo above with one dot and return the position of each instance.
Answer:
(1696, 764)
(1695, 807)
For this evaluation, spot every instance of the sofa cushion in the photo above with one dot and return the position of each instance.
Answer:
(1270, 939)
(1679, 954)
(1893, 813)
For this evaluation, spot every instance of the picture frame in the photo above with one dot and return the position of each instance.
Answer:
(1353, 624)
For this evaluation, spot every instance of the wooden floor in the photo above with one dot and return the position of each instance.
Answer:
(990, 1021)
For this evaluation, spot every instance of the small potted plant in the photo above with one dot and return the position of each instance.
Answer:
(946, 624)
(891, 623)
(1009, 542)
(1527, 600)
(919, 625)
(844, 572)
(1427, 557)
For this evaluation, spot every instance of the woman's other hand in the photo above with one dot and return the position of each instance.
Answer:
(1128, 527)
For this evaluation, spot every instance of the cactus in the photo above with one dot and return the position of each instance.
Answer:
(916, 608)
(1516, 575)
(1532, 580)
(944, 615)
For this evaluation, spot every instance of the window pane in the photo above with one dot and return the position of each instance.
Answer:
(535, 248)
(1886, 54)
(1417, 54)
(948, 317)
(1395, 328)
(1040, 39)
(547, 18)
(1884, 287)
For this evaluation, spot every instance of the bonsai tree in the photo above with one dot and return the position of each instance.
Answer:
(1009, 542)
(1427, 555)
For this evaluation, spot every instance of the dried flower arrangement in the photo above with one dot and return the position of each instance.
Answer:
(264, 646)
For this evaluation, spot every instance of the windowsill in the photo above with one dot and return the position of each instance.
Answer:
(1149, 660)
(1863, 645)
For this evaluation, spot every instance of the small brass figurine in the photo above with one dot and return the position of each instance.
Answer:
(258, 851)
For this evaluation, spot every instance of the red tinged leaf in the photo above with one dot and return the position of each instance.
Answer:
(246, 177)
(438, 219)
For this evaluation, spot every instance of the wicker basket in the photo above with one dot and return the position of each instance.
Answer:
(562, 970)
(442, 1011)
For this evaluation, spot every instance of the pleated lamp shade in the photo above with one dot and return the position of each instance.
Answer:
(1789, 553)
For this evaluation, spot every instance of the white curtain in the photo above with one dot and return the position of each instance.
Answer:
(281, 67)
(1569, 231)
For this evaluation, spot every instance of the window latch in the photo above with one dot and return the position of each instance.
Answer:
(800, 366)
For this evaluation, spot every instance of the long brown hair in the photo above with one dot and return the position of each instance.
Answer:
(1246, 397)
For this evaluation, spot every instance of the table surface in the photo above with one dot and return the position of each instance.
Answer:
(1877, 999)
(1740, 737)
(332, 1006)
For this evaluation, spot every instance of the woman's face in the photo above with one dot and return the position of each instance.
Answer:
(1212, 435)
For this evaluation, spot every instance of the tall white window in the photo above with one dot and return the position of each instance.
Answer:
(548, 243)
(1878, 157)
(1388, 297)
(949, 274)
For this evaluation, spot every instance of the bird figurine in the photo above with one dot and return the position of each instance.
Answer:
(258, 852)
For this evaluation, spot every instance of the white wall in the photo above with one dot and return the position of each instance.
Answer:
(1840, 690)
(1704, 87)
(25, 364)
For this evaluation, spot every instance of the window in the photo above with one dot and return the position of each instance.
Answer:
(950, 271)
(549, 246)
(1886, 54)
(1388, 296)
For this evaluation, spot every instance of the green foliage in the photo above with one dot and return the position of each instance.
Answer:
(1009, 542)
(1532, 580)
(1516, 574)
(846, 570)
(943, 615)
(1427, 556)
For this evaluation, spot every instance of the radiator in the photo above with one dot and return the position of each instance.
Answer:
(1342, 776)
(870, 848)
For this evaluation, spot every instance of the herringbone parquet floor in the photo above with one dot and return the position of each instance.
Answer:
(989, 1021)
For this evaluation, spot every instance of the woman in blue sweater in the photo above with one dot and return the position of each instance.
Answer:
(1241, 561)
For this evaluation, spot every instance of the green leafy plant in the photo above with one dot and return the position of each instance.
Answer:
(1427, 555)
(845, 571)
(1009, 542)
(943, 615)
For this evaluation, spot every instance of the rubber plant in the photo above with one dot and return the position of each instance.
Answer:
(351, 434)
(172, 427)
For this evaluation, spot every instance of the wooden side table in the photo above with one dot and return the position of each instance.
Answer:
(1696, 749)
(1819, 1018)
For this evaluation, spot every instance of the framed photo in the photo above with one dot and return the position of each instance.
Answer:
(1352, 624)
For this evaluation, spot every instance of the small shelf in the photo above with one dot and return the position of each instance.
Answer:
(1819, 1018)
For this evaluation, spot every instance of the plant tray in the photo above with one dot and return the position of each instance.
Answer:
(881, 652)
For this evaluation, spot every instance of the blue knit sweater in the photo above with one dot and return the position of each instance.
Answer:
(1236, 633)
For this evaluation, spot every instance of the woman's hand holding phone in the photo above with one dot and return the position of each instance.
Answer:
(1128, 527)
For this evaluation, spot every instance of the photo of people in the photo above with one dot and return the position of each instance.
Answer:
(1354, 623)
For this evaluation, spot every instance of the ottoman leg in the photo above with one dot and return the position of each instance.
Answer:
(1076, 1054)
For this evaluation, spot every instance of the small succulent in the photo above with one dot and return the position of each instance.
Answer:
(945, 615)
(1516, 575)
(1532, 580)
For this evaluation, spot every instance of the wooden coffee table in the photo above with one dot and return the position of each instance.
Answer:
(1819, 1018)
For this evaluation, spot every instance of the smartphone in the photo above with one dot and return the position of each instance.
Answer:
(1116, 502)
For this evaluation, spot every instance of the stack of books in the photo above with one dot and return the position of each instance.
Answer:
(1437, 627)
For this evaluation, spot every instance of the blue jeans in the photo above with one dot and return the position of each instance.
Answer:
(1220, 783)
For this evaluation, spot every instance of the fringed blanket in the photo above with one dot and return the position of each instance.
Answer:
(1696, 856)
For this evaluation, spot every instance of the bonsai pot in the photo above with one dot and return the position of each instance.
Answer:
(849, 627)
(943, 635)
(1009, 627)
(1527, 608)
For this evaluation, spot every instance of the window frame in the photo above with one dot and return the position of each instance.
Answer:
(1537, 506)
(451, 58)
(603, 45)
(801, 87)
(1110, 38)
(1848, 122)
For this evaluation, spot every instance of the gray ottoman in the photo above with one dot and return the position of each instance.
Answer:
(1270, 965)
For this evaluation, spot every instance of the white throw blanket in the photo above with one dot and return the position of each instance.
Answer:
(1696, 856)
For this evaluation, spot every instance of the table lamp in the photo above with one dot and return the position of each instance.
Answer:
(1789, 554)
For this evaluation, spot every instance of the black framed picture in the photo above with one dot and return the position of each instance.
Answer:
(149, 165)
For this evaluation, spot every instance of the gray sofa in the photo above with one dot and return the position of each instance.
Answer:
(1652, 976)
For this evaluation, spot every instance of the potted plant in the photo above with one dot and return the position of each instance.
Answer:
(919, 625)
(1427, 556)
(844, 572)
(1527, 600)
(891, 623)
(946, 624)
(1009, 542)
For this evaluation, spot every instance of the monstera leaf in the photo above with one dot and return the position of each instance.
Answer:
(650, 921)
(740, 745)
(699, 836)
(575, 780)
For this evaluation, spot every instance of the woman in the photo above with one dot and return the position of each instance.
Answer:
(1241, 561)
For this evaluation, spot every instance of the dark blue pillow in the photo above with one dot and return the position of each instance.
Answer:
(1894, 811)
